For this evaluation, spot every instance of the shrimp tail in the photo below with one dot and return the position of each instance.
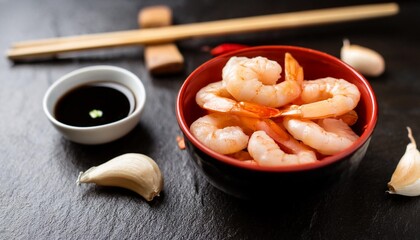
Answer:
(293, 71)
(246, 109)
(280, 135)
(259, 110)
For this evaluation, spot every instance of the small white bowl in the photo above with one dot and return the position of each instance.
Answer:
(90, 75)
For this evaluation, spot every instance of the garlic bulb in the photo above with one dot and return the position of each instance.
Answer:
(134, 171)
(406, 178)
(367, 61)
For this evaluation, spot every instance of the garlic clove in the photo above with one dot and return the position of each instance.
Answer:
(367, 61)
(406, 178)
(134, 171)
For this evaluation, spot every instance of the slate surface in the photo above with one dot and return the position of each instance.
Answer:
(38, 195)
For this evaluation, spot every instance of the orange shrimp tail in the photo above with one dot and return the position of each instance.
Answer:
(259, 110)
(279, 134)
(293, 70)
(276, 130)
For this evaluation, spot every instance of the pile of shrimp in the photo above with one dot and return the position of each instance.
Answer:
(256, 118)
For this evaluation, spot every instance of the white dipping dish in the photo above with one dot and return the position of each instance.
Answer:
(90, 75)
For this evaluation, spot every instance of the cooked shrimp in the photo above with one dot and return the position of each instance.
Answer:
(329, 136)
(277, 133)
(350, 118)
(266, 152)
(255, 80)
(215, 97)
(325, 97)
(220, 132)
(228, 134)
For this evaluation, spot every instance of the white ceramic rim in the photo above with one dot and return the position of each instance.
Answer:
(139, 101)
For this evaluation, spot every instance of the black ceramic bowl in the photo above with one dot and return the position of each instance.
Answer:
(246, 180)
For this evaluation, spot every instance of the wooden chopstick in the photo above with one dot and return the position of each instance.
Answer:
(171, 33)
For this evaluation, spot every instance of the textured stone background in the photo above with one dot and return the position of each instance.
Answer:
(38, 168)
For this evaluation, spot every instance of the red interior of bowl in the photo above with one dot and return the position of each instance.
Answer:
(315, 65)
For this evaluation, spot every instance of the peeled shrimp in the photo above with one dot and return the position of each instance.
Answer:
(325, 97)
(243, 104)
(329, 136)
(266, 152)
(228, 134)
(255, 80)
(283, 141)
(215, 97)
(220, 132)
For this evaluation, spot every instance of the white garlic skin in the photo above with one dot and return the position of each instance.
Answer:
(406, 178)
(411, 190)
(133, 171)
(366, 61)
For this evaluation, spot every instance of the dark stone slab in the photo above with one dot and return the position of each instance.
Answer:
(39, 198)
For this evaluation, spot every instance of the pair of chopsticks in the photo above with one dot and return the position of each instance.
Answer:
(48, 47)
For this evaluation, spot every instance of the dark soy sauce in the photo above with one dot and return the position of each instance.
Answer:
(94, 104)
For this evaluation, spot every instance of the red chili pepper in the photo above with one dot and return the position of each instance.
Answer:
(225, 48)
